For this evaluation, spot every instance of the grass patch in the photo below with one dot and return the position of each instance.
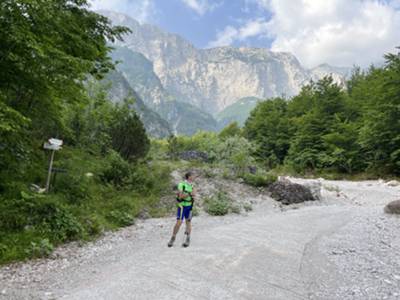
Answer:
(259, 180)
(218, 205)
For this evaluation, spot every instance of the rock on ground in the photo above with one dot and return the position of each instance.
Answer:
(393, 183)
(393, 207)
(289, 193)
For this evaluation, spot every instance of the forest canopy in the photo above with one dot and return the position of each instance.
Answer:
(328, 127)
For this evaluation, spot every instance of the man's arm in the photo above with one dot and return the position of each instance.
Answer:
(181, 193)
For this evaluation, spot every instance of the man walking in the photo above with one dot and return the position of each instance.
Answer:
(185, 204)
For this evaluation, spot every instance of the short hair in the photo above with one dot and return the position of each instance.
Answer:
(188, 174)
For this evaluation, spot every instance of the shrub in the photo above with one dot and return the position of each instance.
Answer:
(218, 205)
(173, 147)
(235, 209)
(145, 178)
(235, 152)
(195, 211)
(116, 169)
(58, 222)
(75, 188)
(121, 218)
(43, 248)
(3, 249)
(247, 207)
(11, 218)
(92, 226)
(259, 180)
(128, 135)
(45, 213)
(209, 172)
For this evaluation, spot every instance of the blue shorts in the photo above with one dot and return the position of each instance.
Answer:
(184, 212)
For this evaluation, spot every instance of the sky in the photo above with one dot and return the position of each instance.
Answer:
(337, 32)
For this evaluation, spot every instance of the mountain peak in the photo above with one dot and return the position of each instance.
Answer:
(118, 18)
(214, 78)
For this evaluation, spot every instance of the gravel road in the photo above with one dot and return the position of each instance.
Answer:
(342, 247)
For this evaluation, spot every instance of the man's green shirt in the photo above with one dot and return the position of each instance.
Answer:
(185, 187)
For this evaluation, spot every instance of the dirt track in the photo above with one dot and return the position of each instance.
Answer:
(343, 247)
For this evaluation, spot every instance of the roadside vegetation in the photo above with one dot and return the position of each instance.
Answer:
(52, 55)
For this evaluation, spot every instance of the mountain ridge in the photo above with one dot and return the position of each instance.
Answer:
(210, 79)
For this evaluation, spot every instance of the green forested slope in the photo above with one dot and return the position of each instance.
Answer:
(325, 127)
(237, 112)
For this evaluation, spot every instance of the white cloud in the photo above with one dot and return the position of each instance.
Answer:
(201, 6)
(339, 32)
(141, 10)
(231, 34)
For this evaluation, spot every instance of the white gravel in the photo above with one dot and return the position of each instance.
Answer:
(342, 247)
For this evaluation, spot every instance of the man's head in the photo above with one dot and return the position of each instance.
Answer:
(189, 176)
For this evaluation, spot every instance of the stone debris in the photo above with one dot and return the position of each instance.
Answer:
(393, 207)
(193, 155)
(393, 183)
(290, 193)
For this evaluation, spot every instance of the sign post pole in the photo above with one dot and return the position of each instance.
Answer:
(53, 145)
(50, 169)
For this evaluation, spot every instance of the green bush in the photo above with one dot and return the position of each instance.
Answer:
(208, 173)
(218, 205)
(149, 177)
(195, 211)
(3, 249)
(235, 152)
(42, 212)
(75, 188)
(116, 169)
(92, 225)
(121, 218)
(13, 215)
(43, 248)
(128, 135)
(235, 209)
(259, 180)
(247, 207)
(58, 222)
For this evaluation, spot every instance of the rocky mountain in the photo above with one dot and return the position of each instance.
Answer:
(183, 118)
(164, 67)
(119, 90)
(339, 74)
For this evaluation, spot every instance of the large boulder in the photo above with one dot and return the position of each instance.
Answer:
(393, 183)
(288, 192)
(393, 207)
(315, 188)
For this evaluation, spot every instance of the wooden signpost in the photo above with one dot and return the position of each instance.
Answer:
(53, 145)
